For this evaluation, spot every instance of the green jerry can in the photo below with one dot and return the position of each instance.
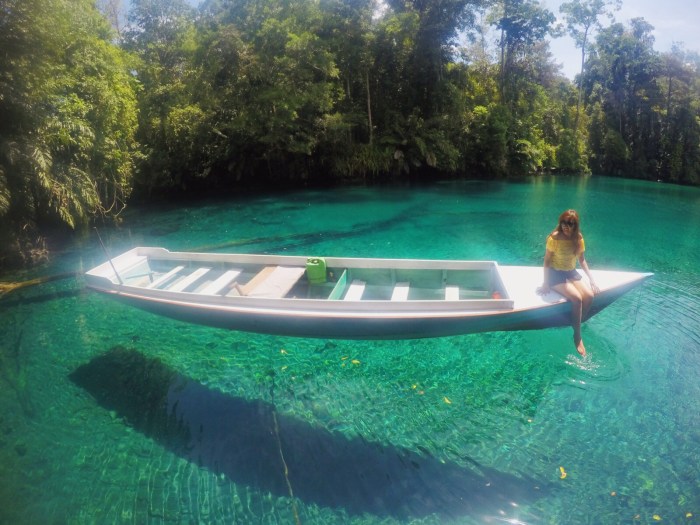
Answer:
(316, 270)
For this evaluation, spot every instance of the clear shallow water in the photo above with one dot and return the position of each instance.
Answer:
(470, 429)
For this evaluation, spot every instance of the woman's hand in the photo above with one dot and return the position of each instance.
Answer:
(594, 287)
(543, 290)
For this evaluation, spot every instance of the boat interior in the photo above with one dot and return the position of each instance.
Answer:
(314, 282)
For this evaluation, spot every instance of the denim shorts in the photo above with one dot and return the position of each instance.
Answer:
(555, 277)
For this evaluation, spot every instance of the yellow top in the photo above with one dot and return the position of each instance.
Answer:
(563, 256)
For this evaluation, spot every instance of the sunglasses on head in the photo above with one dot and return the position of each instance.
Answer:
(568, 223)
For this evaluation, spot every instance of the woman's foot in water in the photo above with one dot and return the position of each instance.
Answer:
(579, 347)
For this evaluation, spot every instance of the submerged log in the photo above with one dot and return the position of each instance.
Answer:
(8, 287)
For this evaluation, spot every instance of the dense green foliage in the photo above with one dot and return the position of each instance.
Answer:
(69, 116)
(254, 93)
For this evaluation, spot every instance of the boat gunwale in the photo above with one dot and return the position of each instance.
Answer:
(300, 260)
(339, 313)
(361, 307)
(249, 305)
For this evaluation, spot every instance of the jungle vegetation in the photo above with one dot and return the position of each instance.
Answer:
(100, 105)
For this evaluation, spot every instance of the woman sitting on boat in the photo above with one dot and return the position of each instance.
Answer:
(564, 246)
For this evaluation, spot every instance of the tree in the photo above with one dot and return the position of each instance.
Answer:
(349, 29)
(522, 24)
(680, 135)
(161, 34)
(67, 136)
(582, 17)
(524, 71)
(437, 25)
(113, 11)
(625, 67)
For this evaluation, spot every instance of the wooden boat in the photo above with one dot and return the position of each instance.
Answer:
(345, 298)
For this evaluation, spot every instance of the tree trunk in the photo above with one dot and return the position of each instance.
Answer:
(503, 64)
(580, 86)
(369, 107)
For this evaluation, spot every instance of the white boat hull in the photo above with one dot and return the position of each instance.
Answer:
(505, 300)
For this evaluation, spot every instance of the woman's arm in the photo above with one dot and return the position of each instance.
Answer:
(584, 267)
(544, 289)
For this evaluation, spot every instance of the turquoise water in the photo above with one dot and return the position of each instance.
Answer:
(471, 429)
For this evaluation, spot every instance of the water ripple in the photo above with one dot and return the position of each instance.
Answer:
(672, 308)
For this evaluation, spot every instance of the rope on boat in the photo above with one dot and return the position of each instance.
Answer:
(284, 462)
(284, 465)
(108, 256)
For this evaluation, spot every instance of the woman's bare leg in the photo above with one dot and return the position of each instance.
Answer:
(571, 292)
(586, 297)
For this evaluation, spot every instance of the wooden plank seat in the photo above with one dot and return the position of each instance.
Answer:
(400, 292)
(451, 293)
(273, 282)
(166, 277)
(355, 291)
(255, 281)
(217, 286)
(189, 280)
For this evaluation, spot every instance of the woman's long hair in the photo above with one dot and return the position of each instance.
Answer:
(576, 236)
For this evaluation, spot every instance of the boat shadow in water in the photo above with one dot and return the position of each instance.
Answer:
(250, 443)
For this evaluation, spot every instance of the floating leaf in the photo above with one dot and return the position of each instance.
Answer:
(447, 400)
(355, 362)
(562, 473)
(656, 517)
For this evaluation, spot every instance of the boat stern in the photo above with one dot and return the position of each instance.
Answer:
(113, 272)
